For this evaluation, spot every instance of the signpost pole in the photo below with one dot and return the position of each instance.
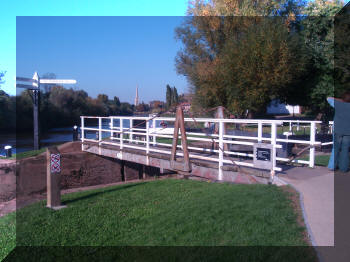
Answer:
(35, 86)
(54, 178)
(36, 110)
(36, 118)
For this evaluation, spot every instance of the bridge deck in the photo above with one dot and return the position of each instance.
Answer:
(159, 156)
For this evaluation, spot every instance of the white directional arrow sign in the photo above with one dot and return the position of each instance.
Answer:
(34, 85)
(57, 81)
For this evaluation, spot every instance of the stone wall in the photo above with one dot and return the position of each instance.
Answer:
(7, 180)
(78, 169)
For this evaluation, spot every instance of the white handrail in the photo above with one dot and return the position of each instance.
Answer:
(221, 138)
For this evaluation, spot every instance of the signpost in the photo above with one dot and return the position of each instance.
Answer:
(263, 158)
(53, 178)
(35, 87)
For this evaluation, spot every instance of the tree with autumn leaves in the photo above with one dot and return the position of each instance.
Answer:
(242, 54)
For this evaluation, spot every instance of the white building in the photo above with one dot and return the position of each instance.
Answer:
(277, 108)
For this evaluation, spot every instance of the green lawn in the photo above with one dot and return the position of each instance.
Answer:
(280, 129)
(320, 160)
(7, 234)
(164, 213)
(27, 154)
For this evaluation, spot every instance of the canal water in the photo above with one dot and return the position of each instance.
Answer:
(24, 141)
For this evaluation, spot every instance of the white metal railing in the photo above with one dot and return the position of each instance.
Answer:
(126, 135)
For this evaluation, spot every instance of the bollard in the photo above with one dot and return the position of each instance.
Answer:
(8, 151)
(75, 133)
(53, 173)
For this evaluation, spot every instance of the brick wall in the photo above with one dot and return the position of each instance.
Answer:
(78, 169)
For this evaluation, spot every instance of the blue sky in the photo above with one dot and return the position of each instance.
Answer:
(12, 8)
(109, 55)
(106, 55)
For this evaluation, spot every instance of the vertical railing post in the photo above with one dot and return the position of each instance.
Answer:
(290, 126)
(298, 125)
(121, 133)
(82, 129)
(273, 142)
(147, 142)
(154, 131)
(221, 148)
(82, 132)
(312, 144)
(99, 129)
(147, 136)
(111, 126)
(130, 129)
(260, 132)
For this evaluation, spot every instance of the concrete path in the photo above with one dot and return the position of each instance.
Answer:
(317, 189)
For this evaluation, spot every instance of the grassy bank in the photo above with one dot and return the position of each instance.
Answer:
(166, 213)
(7, 234)
(26, 154)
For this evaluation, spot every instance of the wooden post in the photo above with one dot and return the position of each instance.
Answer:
(185, 166)
(53, 158)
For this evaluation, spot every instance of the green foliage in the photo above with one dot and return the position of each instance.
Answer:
(242, 54)
(342, 51)
(7, 111)
(59, 107)
(241, 63)
(2, 74)
(172, 97)
(318, 34)
(168, 97)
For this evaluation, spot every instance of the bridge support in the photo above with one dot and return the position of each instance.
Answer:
(185, 166)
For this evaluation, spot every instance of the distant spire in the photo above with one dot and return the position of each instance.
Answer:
(137, 96)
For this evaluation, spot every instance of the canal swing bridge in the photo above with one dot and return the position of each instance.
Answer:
(208, 148)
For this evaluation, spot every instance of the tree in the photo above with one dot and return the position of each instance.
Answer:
(116, 101)
(342, 51)
(174, 96)
(2, 74)
(7, 112)
(318, 36)
(241, 63)
(245, 7)
(168, 96)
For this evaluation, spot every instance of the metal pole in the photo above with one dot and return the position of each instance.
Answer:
(36, 94)
(99, 129)
(36, 118)
(121, 133)
(312, 142)
(111, 126)
(82, 129)
(273, 142)
(147, 137)
(221, 148)
(260, 131)
(131, 135)
(154, 130)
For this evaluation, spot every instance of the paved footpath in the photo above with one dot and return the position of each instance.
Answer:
(316, 186)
